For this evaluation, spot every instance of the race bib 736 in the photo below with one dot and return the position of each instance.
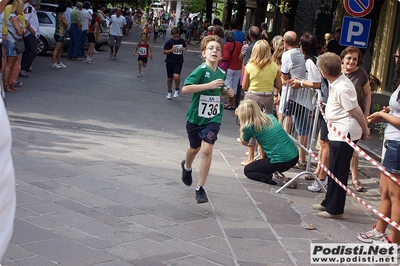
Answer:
(209, 106)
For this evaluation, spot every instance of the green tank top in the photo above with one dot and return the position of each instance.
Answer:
(60, 30)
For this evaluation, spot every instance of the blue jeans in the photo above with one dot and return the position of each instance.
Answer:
(75, 43)
(83, 42)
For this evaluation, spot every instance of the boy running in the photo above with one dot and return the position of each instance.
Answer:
(174, 49)
(204, 116)
(143, 46)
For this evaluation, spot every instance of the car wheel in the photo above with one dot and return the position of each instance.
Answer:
(42, 46)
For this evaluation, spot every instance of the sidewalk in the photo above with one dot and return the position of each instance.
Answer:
(94, 199)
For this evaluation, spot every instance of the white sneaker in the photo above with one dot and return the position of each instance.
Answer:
(371, 236)
(169, 94)
(315, 187)
(89, 61)
(62, 65)
(139, 75)
(94, 51)
(55, 65)
(176, 94)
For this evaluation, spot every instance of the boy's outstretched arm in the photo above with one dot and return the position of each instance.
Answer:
(151, 51)
(192, 88)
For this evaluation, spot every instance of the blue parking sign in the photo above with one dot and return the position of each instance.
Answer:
(355, 32)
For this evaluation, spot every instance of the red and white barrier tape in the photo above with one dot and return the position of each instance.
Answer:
(358, 149)
(368, 158)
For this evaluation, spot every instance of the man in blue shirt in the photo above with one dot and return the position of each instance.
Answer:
(239, 36)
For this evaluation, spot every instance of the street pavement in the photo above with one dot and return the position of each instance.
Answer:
(87, 196)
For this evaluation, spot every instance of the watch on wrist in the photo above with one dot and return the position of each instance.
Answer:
(302, 83)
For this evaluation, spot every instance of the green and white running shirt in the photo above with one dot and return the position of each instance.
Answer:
(206, 106)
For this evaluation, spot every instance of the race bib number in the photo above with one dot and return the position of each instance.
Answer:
(142, 51)
(179, 49)
(209, 106)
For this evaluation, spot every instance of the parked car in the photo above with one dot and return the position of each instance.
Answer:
(48, 7)
(47, 27)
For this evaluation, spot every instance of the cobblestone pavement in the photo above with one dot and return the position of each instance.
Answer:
(92, 197)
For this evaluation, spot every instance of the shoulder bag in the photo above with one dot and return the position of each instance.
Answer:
(19, 42)
(225, 64)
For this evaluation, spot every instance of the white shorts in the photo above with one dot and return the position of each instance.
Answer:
(232, 79)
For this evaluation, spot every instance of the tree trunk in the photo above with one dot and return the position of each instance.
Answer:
(228, 7)
(260, 12)
(209, 8)
(329, 24)
(241, 7)
(289, 17)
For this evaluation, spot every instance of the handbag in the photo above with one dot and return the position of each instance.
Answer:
(225, 64)
(19, 42)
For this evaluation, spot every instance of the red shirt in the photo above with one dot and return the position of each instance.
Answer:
(235, 63)
(143, 50)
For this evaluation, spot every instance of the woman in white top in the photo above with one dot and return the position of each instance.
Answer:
(343, 111)
(390, 191)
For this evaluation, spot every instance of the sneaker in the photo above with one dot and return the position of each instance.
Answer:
(169, 94)
(18, 84)
(385, 240)
(201, 195)
(315, 187)
(62, 65)
(301, 165)
(326, 214)
(94, 51)
(111, 54)
(371, 236)
(139, 75)
(186, 175)
(55, 65)
(23, 73)
(176, 94)
(30, 73)
(277, 179)
(89, 61)
(114, 57)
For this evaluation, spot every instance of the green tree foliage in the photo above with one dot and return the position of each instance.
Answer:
(194, 6)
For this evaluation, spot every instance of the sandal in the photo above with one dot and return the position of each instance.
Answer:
(9, 89)
(292, 185)
(357, 186)
(310, 177)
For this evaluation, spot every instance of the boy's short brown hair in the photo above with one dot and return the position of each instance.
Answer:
(175, 30)
(210, 38)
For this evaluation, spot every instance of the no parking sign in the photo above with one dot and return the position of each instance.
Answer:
(358, 8)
